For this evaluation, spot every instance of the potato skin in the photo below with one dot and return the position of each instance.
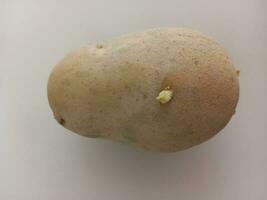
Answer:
(108, 90)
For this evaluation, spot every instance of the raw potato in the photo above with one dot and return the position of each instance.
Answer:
(114, 89)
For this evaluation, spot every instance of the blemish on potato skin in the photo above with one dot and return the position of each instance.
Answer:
(144, 96)
(99, 46)
(62, 121)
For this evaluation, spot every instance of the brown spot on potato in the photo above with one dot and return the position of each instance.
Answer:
(99, 46)
(62, 121)
(144, 96)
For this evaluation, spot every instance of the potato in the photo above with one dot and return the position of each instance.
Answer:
(164, 89)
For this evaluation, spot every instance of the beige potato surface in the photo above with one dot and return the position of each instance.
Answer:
(113, 89)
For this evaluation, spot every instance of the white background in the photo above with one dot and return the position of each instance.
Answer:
(41, 160)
